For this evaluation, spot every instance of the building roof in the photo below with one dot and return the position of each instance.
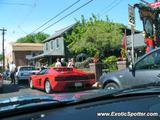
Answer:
(138, 41)
(27, 47)
(59, 33)
(45, 55)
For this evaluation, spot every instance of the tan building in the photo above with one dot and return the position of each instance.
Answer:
(22, 53)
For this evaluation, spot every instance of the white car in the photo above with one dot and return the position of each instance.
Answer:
(23, 73)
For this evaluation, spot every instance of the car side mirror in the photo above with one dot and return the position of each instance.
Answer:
(131, 67)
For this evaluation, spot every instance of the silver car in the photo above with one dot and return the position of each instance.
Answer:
(145, 70)
(23, 73)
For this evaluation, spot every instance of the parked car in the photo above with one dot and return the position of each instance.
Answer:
(6, 74)
(145, 70)
(23, 73)
(62, 79)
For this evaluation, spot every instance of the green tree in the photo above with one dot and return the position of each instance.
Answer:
(94, 36)
(33, 38)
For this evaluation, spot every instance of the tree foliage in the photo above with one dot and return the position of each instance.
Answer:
(33, 38)
(94, 36)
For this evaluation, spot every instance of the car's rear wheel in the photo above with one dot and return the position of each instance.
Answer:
(111, 86)
(31, 84)
(47, 87)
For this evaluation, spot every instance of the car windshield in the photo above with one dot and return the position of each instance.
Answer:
(67, 51)
(27, 68)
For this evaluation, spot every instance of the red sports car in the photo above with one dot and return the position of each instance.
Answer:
(62, 79)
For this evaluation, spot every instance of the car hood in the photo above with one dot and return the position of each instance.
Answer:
(25, 101)
(57, 97)
(113, 74)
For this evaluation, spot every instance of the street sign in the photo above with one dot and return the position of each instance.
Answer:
(154, 4)
(131, 15)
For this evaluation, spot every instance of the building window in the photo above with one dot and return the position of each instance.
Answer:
(52, 44)
(47, 46)
(57, 43)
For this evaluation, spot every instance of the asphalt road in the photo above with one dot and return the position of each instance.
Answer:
(11, 90)
(15, 89)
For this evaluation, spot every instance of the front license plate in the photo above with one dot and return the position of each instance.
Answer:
(78, 84)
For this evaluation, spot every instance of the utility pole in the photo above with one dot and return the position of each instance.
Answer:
(131, 21)
(3, 33)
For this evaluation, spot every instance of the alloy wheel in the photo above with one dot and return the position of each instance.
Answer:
(47, 87)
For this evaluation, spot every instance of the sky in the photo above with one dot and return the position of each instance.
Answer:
(22, 17)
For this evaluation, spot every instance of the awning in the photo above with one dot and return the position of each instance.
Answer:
(45, 55)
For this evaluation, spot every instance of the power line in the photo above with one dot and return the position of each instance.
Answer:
(57, 15)
(67, 15)
(22, 30)
(29, 13)
(114, 6)
(22, 4)
(109, 5)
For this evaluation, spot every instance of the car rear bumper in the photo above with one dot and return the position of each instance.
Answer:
(72, 86)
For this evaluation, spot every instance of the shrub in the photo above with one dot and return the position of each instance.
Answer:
(111, 63)
(52, 65)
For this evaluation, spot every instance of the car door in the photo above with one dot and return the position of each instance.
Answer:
(40, 77)
(147, 69)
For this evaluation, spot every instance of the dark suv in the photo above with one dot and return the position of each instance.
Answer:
(144, 71)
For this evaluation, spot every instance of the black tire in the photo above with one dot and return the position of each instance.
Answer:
(47, 87)
(31, 84)
(111, 86)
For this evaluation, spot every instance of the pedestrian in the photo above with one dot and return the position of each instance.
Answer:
(71, 63)
(42, 67)
(12, 68)
(58, 63)
(63, 63)
(46, 66)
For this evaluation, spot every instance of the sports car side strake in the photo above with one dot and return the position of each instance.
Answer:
(62, 79)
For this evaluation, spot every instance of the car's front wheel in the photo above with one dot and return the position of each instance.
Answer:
(111, 86)
(47, 87)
